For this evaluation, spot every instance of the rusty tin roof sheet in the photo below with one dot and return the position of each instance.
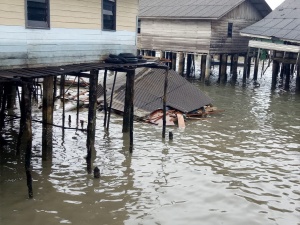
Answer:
(149, 86)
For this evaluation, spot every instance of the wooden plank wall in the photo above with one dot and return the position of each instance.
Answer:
(75, 33)
(175, 35)
(241, 17)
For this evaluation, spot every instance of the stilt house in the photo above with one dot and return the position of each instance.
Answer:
(279, 32)
(57, 32)
(198, 26)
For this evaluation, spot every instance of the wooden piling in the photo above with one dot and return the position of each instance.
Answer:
(203, 65)
(91, 126)
(275, 71)
(287, 77)
(55, 88)
(129, 101)
(234, 67)
(11, 97)
(26, 104)
(77, 108)
(188, 65)
(223, 75)
(111, 100)
(249, 67)
(162, 54)
(256, 65)
(3, 106)
(62, 88)
(105, 98)
(47, 118)
(126, 115)
(174, 57)
(245, 68)
(298, 78)
(165, 104)
(207, 68)
(181, 63)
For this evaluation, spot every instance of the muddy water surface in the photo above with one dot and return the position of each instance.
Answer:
(238, 167)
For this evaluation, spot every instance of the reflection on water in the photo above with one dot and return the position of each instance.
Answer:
(238, 167)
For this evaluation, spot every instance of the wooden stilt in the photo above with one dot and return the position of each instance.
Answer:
(249, 67)
(223, 76)
(26, 99)
(207, 68)
(234, 67)
(111, 100)
(256, 65)
(131, 75)
(203, 65)
(287, 77)
(165, 104)
(174, 56)
(55, 89)
(63, 104)
(11, 97)
(188, 65)
(231, 63)
(298, 78)
(245, 67)
(77, 109)
(47, 144)
(105, 98)
(91, 126)
(126, 115)
(162, 54)
(181, 63)
(275, 71)
(3, 107)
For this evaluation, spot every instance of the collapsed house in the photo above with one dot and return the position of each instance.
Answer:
(182, 96)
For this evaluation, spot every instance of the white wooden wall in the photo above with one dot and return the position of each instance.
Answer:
(75, 33)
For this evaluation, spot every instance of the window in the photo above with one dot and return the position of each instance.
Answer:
(139, 26)
(229, 32)
(37, 14)
(109, 15)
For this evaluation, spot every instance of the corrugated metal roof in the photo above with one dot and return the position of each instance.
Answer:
(282, 23)
(149, 86)
(201, 9)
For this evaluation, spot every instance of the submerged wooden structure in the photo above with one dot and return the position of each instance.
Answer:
(181, 29)
(278, 34)
(50, 38)
(26, 77)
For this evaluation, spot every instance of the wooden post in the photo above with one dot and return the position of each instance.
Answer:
(174, 56)
(91, 126)
(55, 89)
(188, 65)
(231, 63)
(111, 99)
(126, 114)
(223, 69)
(105, 98)
(287, 77)
(62, 88)
(298, 78)
(245, 68)
(3, 106)
(130, 102)
(249, 67)
(153, 53)
(26, 104)
(234, 67)
(207, 68)
(47, 144)
(165, 104)
(256, 65)
(275, 70)
(11, 96)
(162, 54)
(181, 63)
(203, 64)
(77, 109)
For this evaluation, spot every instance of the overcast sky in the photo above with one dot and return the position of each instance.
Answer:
(274, 3)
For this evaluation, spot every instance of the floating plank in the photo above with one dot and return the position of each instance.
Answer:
(181, 123)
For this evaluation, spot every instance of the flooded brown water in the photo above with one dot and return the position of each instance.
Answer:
(238, 167)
